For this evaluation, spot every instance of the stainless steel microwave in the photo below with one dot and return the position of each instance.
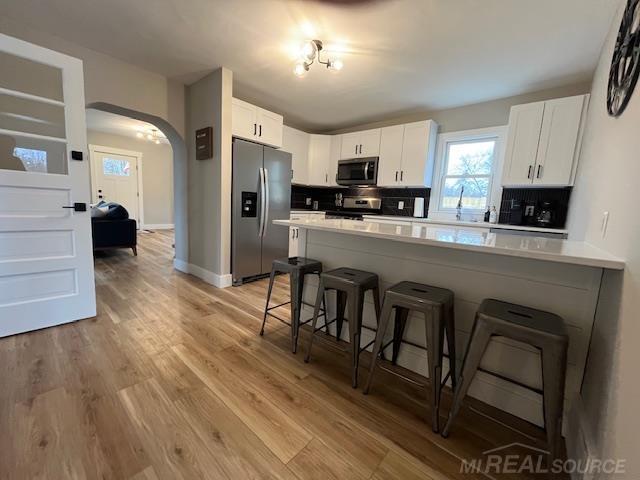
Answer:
(358, 171)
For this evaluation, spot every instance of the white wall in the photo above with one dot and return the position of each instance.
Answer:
(477, 115)
(157, 173)
(607, 180)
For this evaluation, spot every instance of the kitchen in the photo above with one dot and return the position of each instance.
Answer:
(404, 242)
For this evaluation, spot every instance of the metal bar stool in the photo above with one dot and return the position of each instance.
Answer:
(436, 304)
(349, 284)
(540, 329)
(297, 268)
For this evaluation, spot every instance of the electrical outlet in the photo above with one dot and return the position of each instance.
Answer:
(605, 222)
(400, 205)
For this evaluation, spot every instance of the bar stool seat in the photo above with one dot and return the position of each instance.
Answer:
(297, 268)
(543, 330)
(350, 284)
(436, 304)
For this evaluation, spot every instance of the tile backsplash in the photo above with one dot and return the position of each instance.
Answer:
(325, 196)
(558, 198)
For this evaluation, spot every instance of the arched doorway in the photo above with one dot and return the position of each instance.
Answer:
(180, 180)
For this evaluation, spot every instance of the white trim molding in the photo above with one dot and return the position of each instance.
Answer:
(158, 226)
(220, 281)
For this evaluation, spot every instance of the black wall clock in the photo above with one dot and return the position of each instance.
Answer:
(625, 64)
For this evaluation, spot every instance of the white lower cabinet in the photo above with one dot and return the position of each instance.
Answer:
(297, 236)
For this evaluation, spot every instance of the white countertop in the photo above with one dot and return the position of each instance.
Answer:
(471, 239)
(466, 223)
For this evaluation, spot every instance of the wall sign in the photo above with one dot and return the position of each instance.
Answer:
(625, 64)
(204, 143)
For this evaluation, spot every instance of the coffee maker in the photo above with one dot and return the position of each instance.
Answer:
(546, 215)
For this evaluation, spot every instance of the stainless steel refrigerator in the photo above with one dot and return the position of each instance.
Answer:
(261, 193)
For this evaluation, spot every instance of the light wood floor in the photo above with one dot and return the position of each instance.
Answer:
(172, 381)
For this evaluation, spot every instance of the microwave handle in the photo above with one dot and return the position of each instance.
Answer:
(366, 170)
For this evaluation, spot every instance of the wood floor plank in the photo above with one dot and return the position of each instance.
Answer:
(281, 434)
(175, 449)
(315, 463)
(239, 450)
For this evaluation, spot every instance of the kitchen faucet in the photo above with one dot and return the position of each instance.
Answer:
(459, 207)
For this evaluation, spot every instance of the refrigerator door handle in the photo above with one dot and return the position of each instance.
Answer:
(262, 202)
(265, 224)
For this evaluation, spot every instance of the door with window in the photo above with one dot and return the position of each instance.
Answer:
(46, 261)
(114, 178)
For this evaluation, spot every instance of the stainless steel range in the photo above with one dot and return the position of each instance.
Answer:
(354, 207)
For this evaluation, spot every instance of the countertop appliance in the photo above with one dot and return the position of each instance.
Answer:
(357, 171)
(261, 193)
(546, 216)
(354, 207)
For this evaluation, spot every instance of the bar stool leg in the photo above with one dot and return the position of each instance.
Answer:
(378, 305)
(341, 305)
(385, 316)
(355, 324)
(435, 340)
(480, 337)
(296, 286)
(266, 307)
(451, 343)
(398, 331)
(554, 360)
(316, 311)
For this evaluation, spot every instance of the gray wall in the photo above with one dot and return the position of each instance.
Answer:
(479, 115)
(209, 105)
(607, 180)
(157, 173)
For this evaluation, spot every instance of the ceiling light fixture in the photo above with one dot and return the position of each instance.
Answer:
(152, 135)
(310, 53)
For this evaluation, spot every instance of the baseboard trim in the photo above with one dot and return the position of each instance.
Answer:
(158, 226)
(220, 281)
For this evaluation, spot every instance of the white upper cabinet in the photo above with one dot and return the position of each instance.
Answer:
(407, 154)
(390, 161)
(418, 153)
(543, 142)
(256, 124)
(334, 156)
(360, 144)
(296, 143)
(559, 141)
(319, 160)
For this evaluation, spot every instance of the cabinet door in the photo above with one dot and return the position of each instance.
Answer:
(297, 144)
(334, 156)
(418, 154)
(243, 120)
(525, 124)
(369, 143)
(558, 141)
(350, 145)
(319, 152)
(269, 128)
(389, 164)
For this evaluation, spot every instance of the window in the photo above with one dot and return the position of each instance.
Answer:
(467, 162)
(114, 166)
(33, 160)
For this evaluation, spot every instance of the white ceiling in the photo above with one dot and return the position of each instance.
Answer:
(400, 56)
(118, 125)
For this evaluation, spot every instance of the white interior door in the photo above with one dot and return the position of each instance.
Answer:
(115, 178)
(46, 261)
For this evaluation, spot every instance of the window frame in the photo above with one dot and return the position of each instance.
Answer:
(442, 159)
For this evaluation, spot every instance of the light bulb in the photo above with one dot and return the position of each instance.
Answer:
(309, 50)
(300, 69)
(139, 135)
(335, 65)
(149, 136)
